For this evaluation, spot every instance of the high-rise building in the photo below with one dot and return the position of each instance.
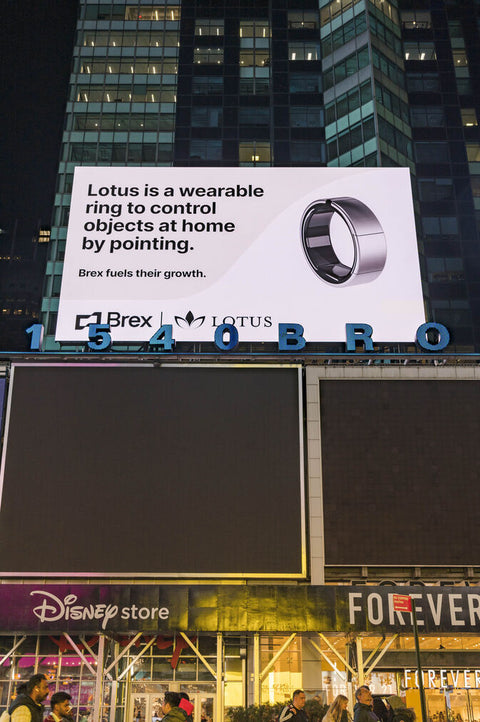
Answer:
(299, 83)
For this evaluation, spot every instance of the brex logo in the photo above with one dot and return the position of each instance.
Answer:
(113, 318)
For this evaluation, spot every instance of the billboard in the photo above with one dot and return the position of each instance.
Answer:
(195, 248)
(407, 492)
(144, 471)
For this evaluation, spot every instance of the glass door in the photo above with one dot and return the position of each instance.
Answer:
(204, 710)
(139, 708)
(147, 707)
(474, 705)
(458, 705)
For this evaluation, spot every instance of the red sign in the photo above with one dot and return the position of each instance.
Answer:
(402, 603)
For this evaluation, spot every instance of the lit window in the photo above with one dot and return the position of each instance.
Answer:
(419, 51)
(469, 117)
(460, 58)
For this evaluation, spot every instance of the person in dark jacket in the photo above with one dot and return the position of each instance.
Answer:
(295, 712)
(186, 706)
(380, 709)
(61, 708)
(171, 710)
(28, 706)
(363, 712)
(400, 712)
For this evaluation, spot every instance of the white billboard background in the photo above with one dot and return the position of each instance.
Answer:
(256, 275)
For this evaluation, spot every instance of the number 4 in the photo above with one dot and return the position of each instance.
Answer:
(162, 339)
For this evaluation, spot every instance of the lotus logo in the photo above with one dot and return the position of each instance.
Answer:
(189, 321)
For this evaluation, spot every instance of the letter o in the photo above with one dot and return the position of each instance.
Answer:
(372, 617)
(89, 226)
(443, 336)
(144, 612)
(232, 343)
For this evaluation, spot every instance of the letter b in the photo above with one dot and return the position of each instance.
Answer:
(290, 337)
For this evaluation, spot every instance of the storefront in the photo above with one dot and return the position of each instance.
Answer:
(117, 648)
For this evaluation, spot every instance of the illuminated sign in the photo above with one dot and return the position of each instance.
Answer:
(443, 678)
(196, 248)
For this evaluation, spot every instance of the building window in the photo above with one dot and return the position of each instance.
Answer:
(124, 121)
(335, 8)
(350, 101)
(419, 51)
(475, 184)
(254, 116)
(303, 19)
(423, 82)
(416, 19)
(206, 149)
(354, 136)
(207, 85)
(160, 66)
(432, 152)
(254, 57)
(254, 29)
(427, 116)
(152, 12)
(207, 117)
(305, 83)
(254, 85)
(445, 226)
(345, 33)
(209, 26)
(350, 65)
(305, 151)
(460, 59)
(125, 94)
(473, 152)
(469, 117)
(464, 86)
(306, 116)
(394, 137)
(130, 38)
(436, 189)
(304, 51)
(389, 38)
(208, 56)
(392, 102)
(254, 153)
(442, 270)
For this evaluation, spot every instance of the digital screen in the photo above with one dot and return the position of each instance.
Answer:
(400, 464)
(125, 470)
(250, 247)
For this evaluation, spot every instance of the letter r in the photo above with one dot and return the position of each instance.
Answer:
(359, 332)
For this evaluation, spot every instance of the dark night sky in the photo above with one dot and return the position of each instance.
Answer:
(36, 42)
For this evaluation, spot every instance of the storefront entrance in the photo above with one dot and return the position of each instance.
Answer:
(464, 705)
(458, 705)
(148, 707)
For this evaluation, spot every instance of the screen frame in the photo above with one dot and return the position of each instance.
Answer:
(175, 575)
(383, 371)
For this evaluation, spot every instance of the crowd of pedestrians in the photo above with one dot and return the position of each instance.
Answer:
(366, 709)
(28, 704)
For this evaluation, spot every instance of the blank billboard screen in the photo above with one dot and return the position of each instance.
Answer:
(143, 471)
(400, 468)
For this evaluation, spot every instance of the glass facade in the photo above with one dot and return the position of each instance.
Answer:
(320, 82)
(137, 670)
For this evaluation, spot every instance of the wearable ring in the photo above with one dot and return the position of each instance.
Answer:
(368, 238)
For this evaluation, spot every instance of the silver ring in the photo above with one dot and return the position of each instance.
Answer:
(369, 245)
